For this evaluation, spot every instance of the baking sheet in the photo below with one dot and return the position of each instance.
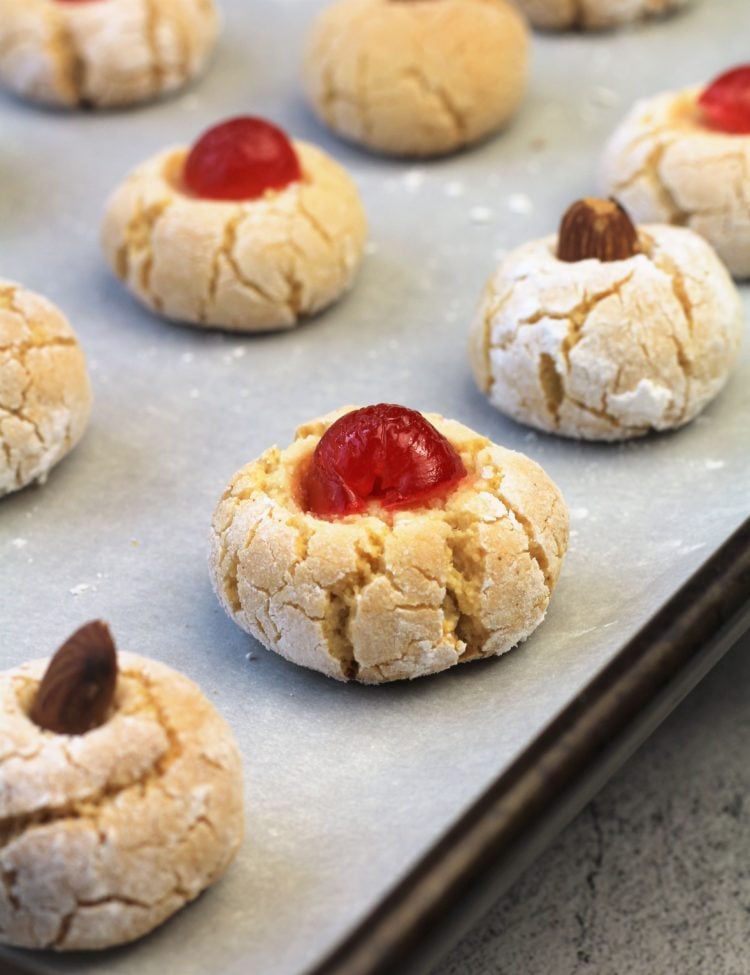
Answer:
(346, 786)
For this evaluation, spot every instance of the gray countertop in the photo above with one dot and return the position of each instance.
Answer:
(653, 876)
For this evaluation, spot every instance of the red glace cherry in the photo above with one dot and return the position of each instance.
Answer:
(381, 453)
(239, 160)
(726, 101)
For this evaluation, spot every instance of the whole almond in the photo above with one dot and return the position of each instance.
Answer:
(596, 228)
(78, 687)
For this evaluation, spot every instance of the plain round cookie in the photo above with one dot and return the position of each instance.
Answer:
(594, 14)
(243, 266)
(107, 834)
(104, 53)
(383, 596)
(607, 350)
(45, 394)
(664, 165)
(416, 77)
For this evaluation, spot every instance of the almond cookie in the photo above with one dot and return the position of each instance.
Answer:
(594, 14)
(45, 394)
(103, 53)
(684, 158)
(120, 796)
(385, 544)
(416, 77)
(606, 331)
(246, 231)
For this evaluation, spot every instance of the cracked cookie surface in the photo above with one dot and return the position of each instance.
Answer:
(243, 266)
(607, 350)
(103, 54)
(105, 835)
(665, 166)
(594, 14)
(45, 395)
(381, 596)
(416, 78)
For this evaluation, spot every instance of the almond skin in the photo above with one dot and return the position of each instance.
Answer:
(78, 687)
(596, 228)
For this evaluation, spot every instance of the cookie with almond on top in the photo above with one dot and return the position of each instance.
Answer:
(120, 795)
(607, 330)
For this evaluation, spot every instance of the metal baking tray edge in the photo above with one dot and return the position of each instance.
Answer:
(521, 812)
(487, 848)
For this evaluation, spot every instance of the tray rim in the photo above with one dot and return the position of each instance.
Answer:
(406, 946)
(509, 824)
(500, 833)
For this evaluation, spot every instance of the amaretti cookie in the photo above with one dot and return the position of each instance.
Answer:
(385, 544)
(594, 14)
(416, 77)
(45, 394)
(684, 158)
(103, 53)
(606, 331)
(245, 231)
(120, 796)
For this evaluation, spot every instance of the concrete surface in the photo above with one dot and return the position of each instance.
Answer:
(653, 876)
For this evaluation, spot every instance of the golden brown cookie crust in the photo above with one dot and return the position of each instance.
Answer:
(247, 267)
(378, 597)
(105, 835)
(45, 394)
(103, 54)
(416, 77)
(607, 350)
(664, 165)
(594, 14)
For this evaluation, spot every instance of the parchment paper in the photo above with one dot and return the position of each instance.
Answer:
(346, 786)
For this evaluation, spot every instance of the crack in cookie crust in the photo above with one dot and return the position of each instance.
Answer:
(246, 267)
(607, 350)
(594, 14)
(90, 55)
(411, 81)
(663, 165)
(377, 596)
(45, 396)
(104, 835)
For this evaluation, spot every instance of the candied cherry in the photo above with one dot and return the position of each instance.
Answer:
(726, 101)
(240, 160)
(384, 453)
